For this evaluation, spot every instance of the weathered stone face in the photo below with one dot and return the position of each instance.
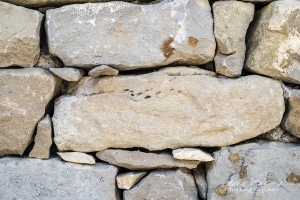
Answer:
(130, 36)
(255, 171)
(24, 95)
(53, 179)
(19, 36)
(274, 42)
(169, 184)
(156, 111)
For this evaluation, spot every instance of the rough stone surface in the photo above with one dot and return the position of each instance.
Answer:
(177, 185)
(212, 111)
(291, 122)
(43, 139)
(278, 134)
(103, 70)
(24, 95)
(231, 21)
(136, 160)
(179, 31)
(19, 36)
(47, 61)
(240, 172)
(192, 154)
(128, 180)
(276, 29)
(77, 157)
(52, 179)
(199, 174)
(68, 74)
(183, 71)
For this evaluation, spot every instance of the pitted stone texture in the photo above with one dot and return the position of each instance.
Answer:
(231, 21)
(53, 179)
(24, 95)
(291, 122)
(68, 74)
(273, 46)
(19, 36)
(77, 157)
(179, 31)
(255, 171)
(103, 70)
(137, 160)
(156, 111)
(43, 139)
(183, 71)
(128, 180)
(177, 185)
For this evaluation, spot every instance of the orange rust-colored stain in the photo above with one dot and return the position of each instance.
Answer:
(293, 178)
(166, 47)
(192, 41)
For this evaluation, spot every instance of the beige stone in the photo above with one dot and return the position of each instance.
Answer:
(128, 180)
(68, 74)
(137, 160)
(231, 21)
(43, 139)
(47, 61)
(77, 157)
(24, 95)
(19, 36)
(156, 111)
(183, 71)
(103, 70)
(192, 154)
(273, 46)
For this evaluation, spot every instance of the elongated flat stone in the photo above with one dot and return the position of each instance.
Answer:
(77, 157)
(156, 111)
(131, 36)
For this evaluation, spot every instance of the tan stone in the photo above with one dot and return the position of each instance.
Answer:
(103, 70)
(192, 154)
(47, 61)
(137, 160)
(183, 71)
(273, 46)
(156, 111)
(68, 74)
(128, 180)
(43, 139)
(24, 95)
(77, 157)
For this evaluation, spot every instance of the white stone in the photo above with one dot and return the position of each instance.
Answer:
(68, 74)
(103, 70)
(128, 180)
(183, 71)
(192, 154)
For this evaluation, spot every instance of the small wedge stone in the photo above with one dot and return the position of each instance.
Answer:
(68, 74)
(192, 154)
(128, 180)
(103, 70)
(77, 157)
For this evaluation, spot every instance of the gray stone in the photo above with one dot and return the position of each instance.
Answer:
(231, 21)
(22, 178)
(103, 70)
(128, 180)
(24, 95)
(137, 160)
(131, 36)
(278, 134)
(175, 185)
(156, 111)
(255, 171)
(291, 121)
(43, 139)
(183, 71)
(19, 36)
(77, 157)
(192, 154)
(199, 174)
(68, 74)
(273, 46)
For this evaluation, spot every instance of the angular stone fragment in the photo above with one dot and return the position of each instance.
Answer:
(77, 157)
(24, 95)
(291, 121)
(199, 174)
(231, 21)
(43, 139)
(68, 74)
(47, 61)
(137, 160)
(183, 71)
(192, 154)
(103, 70)
(179, 31)
(156, 111)
(273, 46)
(19, 36)
(53, 179)
(169, 184)
(128, 180)
(263, 171)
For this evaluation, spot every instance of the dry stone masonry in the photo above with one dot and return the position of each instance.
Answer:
(132, 100)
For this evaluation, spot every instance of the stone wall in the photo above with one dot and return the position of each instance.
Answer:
(173, 99)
